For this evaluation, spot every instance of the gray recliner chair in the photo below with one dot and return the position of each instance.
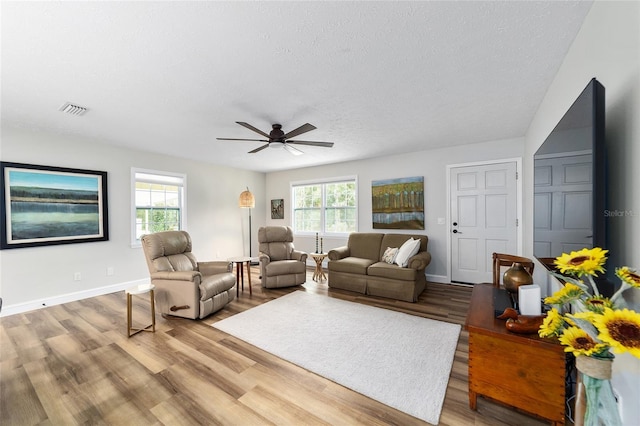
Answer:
(281, 265)
(185, 287)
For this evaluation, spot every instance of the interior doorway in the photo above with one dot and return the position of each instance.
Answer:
(484, 214)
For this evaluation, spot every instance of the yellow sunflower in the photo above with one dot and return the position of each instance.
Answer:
(568, 293)
(579, 342)
(620, 329)
(629, 276)
(587, 315)
(582, 262)
(598, 304)
(552, 324)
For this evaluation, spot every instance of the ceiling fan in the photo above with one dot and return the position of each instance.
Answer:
(279, 139)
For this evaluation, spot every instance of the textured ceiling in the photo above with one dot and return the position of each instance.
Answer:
(374, 77)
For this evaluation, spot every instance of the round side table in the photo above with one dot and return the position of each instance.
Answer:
(140, 289)
(239, 260)
(318, 274)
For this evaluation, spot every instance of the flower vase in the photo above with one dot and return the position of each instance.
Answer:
(595, 402)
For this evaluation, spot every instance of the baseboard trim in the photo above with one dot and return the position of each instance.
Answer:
(438, 279)
(45, 302)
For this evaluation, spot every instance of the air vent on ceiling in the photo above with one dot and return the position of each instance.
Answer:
(72, 109)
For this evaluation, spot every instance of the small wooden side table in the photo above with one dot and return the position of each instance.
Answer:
(239, 260)
(140, 289)
(318, 274)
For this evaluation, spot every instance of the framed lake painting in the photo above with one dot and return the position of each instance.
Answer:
(44, 205)
(398, 203)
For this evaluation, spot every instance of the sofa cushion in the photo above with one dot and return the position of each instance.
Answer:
(352, 265)
(384, 270)
(396, 240)
(408, 249)
(365, 245)
(389, 255)
(285, 267)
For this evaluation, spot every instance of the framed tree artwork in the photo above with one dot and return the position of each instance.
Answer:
(277, 209)
(43, 205)
(398, 203)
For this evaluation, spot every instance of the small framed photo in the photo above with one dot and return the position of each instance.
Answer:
(42, 205)
(277, 209)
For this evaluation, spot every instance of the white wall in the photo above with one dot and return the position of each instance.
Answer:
(430, 164)
(607, 48)
(31, 277)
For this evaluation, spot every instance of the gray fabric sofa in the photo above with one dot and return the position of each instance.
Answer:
(359, 267)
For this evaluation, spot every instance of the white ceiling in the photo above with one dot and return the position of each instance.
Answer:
(376, 78)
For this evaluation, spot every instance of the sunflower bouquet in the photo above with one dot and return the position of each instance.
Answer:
(598, 323)
(595, 327)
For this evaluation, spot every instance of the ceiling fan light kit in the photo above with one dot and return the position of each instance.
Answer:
(278, 139)
(292, 150)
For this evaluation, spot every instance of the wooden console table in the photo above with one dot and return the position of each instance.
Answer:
(520, 370)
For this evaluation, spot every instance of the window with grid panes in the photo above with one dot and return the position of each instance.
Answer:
(158, 200)
(329, 207)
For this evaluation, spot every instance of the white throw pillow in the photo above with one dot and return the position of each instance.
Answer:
(408, 249)
(389, 255)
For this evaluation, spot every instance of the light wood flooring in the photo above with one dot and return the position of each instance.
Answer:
(73, 364)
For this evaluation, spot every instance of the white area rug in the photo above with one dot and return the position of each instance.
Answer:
(401, 360)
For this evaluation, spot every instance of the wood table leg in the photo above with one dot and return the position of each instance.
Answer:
(249, 274)
(153, 310)
(237, 279)
(473, 400)
(129, 315)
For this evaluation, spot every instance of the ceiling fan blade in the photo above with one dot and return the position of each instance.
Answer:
(259, 149)
(250, 127)
(251, 140)
(292, 150)
(313, 143)
(300, 130)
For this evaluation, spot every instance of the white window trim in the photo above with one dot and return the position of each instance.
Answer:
(183, 202)
(323, 181)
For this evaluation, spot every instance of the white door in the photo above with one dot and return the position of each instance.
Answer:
(484, 212)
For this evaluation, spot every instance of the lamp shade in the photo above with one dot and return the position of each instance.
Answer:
(246, 201)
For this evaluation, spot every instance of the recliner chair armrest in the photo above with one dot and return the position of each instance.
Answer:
(214, 267)
(419, 261)
(176, 275)
(299, 255)
(339, 253)
(264, 258)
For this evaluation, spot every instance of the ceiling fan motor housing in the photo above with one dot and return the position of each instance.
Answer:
(276, 135)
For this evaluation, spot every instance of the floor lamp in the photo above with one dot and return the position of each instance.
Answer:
(247, 201)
